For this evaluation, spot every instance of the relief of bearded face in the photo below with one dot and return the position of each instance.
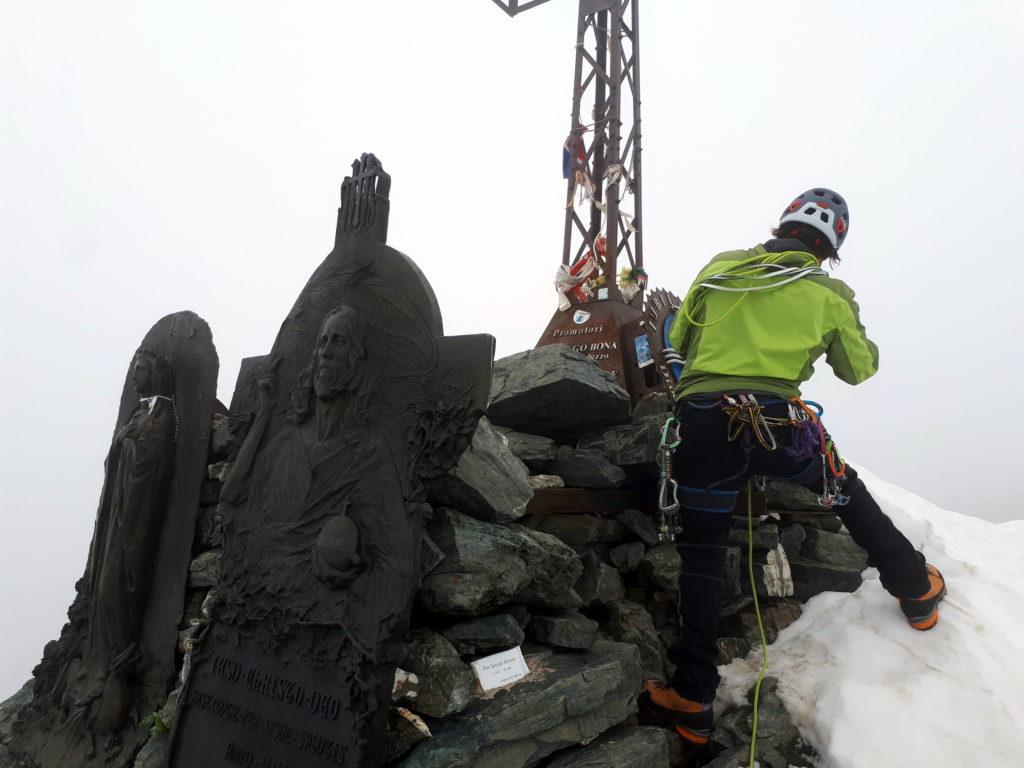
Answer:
(340, 352)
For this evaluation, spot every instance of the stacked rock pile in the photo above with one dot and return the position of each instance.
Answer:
(589, 594)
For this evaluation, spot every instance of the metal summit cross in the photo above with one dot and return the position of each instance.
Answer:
(607, 324)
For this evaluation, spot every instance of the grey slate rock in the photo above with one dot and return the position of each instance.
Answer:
(552, 568)
(481, 569)
(446, 683)
(627, 557)
(209, 492)
(572, 630)
(766, 536)
(663, 608)
(781, 494)
(630, 445)
(404, 731)
(487, 565)
(599, 583)
(778, 740)
(545, 482)
(154, 753)
(623, 747)
(209, 529)
(488, 483)
(10, 708)
(571, 698)
(557, 392)
(535, 451)
(223, 441)
(641, 525)
(585, 468)
(736, 577)
(486, 635)
(772, 574)
(730, 648)
(204, 570)
(661, 566)
(833, 549)
(630, 622)
(219, 471)
(659, 404)
(521, 614)
(431, 555)
(811, 578)
(7, 760)
(776, 615)
(792, 538)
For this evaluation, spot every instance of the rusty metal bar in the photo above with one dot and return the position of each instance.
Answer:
(636, 182)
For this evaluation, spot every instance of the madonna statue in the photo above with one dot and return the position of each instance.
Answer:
(124, 546)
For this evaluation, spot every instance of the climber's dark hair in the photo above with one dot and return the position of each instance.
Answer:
(815, 242)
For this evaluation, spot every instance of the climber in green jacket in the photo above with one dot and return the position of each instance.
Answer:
(750, 330)
(745, 335)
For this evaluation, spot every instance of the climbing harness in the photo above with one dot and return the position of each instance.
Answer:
(810, 438)
(668, 488)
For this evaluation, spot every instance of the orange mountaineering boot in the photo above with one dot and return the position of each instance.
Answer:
(691, 719)
(923, 612)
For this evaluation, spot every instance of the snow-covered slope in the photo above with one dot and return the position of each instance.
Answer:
(868, 691)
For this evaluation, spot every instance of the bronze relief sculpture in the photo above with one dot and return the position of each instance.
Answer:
(128, 525)
(361, 401)
(115, 658)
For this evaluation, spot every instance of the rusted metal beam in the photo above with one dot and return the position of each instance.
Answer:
(512, 7)
(579, 501)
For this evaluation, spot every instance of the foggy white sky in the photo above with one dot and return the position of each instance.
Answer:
(164, 156)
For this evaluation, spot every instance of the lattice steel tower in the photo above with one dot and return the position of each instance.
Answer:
(607, 173)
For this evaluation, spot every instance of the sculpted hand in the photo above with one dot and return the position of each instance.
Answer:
(268, 385)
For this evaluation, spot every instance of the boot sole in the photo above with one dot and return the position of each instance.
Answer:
(929, 621)
(698, 739)
(669, 719)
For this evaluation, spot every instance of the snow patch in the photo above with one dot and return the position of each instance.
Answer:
(867, 690)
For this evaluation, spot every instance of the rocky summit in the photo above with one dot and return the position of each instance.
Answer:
(586, 589)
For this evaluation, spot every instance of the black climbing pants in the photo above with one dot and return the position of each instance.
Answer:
(710, 471)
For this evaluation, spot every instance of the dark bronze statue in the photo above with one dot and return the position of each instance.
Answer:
(128, 526)
(361, 401)
(115, 657)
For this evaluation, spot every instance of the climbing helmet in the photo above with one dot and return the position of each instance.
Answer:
(822, 209)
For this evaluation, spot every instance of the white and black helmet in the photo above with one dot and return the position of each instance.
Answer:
(822, 209)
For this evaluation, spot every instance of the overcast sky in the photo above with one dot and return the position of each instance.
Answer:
(156, 157)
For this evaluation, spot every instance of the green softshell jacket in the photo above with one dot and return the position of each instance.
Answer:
(768, 341)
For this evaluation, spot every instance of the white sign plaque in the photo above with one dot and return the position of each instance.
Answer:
(500, 668)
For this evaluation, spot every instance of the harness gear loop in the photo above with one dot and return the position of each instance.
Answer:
(668, 488)
(833, 468)
(745, 412)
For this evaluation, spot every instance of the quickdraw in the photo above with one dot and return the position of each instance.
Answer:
(668, 488)
(833, 468)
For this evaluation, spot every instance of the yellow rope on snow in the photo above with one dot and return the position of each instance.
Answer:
(760, 624)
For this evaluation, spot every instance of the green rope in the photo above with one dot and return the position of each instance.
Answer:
(696, 298)
(760, 624)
